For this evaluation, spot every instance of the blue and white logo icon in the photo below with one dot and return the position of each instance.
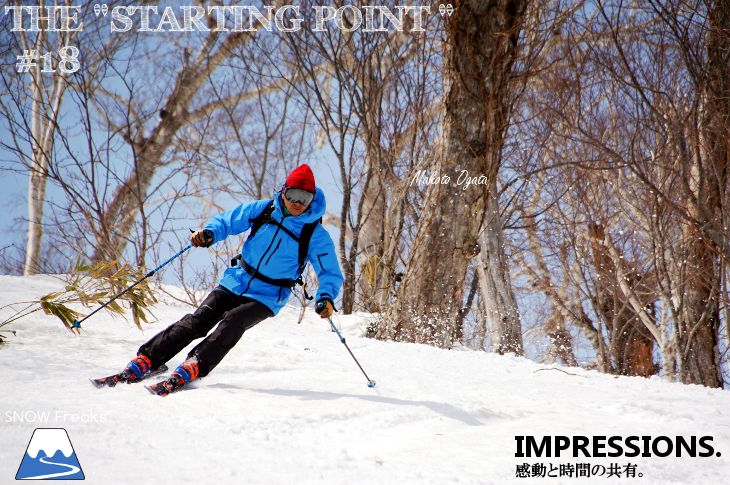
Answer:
(50, 456)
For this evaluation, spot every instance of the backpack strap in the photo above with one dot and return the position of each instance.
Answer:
(256, 223)
(304, 238)
(261, 219)
(265, 218)
(280, 282)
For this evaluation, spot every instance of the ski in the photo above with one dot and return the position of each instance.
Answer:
(163, 388)
(125, 376)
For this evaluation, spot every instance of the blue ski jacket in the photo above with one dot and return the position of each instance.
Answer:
(275, 253)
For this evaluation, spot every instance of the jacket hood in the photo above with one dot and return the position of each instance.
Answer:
(316, 209)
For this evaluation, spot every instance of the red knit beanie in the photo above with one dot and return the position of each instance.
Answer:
(301, 178)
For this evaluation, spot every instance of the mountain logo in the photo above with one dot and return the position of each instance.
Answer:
(50, 456)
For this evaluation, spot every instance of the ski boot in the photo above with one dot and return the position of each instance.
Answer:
(138, 368)
(184, 373)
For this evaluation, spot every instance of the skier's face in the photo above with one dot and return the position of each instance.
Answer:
(294, 208)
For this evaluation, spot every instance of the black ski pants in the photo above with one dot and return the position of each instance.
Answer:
(233, 313)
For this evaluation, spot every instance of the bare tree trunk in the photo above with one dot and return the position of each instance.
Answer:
(37, 179)
(561, 342)
(478, 56)
(631, 341)
(495, 281)
(559, 338)
(118, 220)
(370, 285)
(708, 182)
(700, 315)
(36, 200)
(46, 102)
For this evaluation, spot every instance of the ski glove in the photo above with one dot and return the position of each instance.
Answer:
(324, 307)
(202, 238)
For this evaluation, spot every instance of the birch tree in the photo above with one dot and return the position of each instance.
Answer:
(31, 108)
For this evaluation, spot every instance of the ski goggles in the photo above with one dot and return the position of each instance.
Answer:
(298, 196)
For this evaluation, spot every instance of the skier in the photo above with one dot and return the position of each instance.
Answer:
(285, 233)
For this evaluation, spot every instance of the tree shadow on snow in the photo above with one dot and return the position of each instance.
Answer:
(443, 409)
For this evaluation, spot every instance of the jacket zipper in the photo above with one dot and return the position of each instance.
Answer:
(272, 252)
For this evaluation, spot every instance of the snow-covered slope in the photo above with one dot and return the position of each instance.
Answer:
(288, 405)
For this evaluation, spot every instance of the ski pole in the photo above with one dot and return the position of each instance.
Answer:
(77, 323)
(371, 383)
